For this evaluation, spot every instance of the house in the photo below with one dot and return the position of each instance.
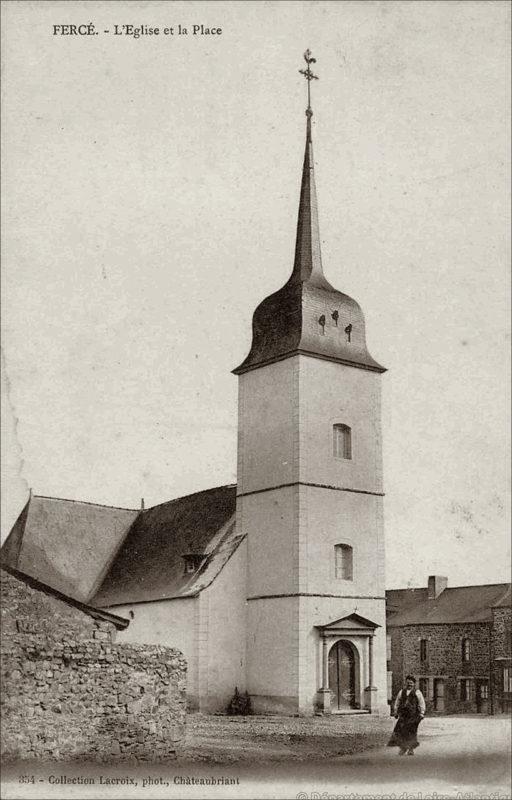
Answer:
(456, 642)
(275, 585)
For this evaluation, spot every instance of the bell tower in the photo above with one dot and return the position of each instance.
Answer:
(310, 489)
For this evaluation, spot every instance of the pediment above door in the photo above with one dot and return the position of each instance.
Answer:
(351, 624)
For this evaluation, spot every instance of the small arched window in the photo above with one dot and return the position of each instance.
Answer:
(343, 562)
(341, 441)
(466, 650)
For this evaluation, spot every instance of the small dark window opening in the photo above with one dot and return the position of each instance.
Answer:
(466, 650)
(464, 690)
(348, 331)
(321, 322)
(423, 649)
(507, 679)
(335, 315)
(192, 562)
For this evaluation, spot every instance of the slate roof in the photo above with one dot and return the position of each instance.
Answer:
(67, 544)
(457, 604)
(150, 566)
(505, 601)
(404, 599)
(105, 556)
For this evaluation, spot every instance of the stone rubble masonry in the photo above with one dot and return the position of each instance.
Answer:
(502, 625)
(502, 658)
(70, 692)
(444, 660)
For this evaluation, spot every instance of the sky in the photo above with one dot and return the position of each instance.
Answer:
(150, 192)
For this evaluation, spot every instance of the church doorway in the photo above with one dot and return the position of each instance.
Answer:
(342, 676)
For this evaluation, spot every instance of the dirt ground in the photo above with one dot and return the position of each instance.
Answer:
(284, 758)
(230, 740)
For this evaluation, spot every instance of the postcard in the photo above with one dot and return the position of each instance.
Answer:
(255, 360)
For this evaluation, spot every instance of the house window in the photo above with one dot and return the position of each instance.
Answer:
(464, 689)
(423, 649)
(507, 679)
(423, 687)
(466, 650)
(342, 441)
(343, 562)
(484, 691)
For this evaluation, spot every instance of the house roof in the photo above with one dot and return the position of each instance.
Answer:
(96, 613)
(404, 599)
(457, 604)
(506, 600)
(150, 565)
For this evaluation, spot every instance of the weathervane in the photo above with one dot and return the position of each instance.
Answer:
(308, 58)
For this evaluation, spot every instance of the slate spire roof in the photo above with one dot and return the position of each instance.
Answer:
(308, 315)
(308, 257)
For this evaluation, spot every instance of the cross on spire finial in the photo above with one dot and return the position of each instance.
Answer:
(308, 74)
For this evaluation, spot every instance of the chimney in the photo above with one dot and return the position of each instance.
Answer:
(436, 585)
(142, 504)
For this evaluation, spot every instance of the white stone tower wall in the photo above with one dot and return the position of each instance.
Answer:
(337, 393)
(296, 501)
(268, 414)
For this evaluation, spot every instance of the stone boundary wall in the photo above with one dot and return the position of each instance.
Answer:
(70, 692)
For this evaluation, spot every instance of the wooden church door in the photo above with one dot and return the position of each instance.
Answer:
(342, 676)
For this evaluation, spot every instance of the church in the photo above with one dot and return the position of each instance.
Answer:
(274, 585)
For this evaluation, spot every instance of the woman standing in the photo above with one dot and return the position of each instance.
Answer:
(409, 711)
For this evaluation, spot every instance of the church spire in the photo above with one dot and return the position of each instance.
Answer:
(308, 316)
(308, 259)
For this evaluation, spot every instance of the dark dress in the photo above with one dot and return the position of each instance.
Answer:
(409, 717)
